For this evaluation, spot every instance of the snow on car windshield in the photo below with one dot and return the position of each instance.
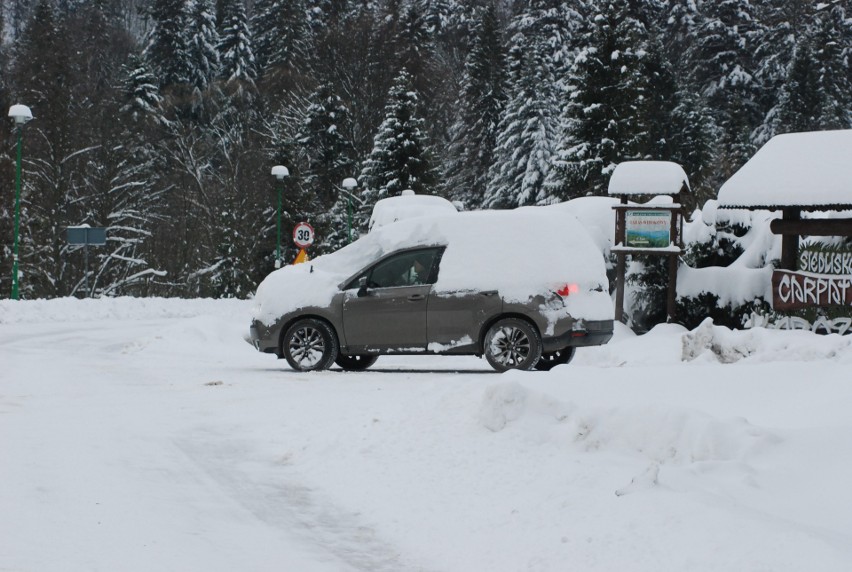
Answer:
(520, 253)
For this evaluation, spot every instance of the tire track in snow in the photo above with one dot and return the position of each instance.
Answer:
(296, 509)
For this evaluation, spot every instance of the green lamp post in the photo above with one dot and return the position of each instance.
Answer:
(349, 184)
(20, 114)
(280, 172)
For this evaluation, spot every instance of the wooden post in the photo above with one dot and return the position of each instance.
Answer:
(672, 290)
(790, 242)
(620, 265)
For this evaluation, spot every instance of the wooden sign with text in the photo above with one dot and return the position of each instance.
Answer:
(793, 290)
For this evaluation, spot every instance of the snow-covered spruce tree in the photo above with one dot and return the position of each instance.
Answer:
(817, 92)
(415, 51)
(203, 52)
(723, 62)
(123, 177)
(281, 36)
(96, 171)
(168, 50)
(693, 144)
(620, 103)
(329, 158)
(142, 93)
(229, 204)
(236, 51)
(528, 130)
(784, 24)
(480, 102)
(400, 158)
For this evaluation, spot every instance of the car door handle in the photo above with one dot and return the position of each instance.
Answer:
(416, 297)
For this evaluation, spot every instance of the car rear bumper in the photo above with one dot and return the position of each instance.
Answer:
(588, 333)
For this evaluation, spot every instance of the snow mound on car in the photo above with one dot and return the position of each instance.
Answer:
(393, 209)
(663, 435)
(520, 253)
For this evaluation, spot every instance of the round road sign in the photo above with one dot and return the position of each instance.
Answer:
(303, 235)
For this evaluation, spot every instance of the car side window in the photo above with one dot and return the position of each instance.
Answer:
(410, 268)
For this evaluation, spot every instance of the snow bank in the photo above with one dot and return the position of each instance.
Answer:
(121, 308)
(671, 344)
(661, 345)
(733, 285)
(664, 435)
(520, 253)
(709, 342)
(596, 215)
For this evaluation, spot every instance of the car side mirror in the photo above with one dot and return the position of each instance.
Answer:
(362, 286)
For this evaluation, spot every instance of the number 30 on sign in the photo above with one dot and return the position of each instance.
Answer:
(303, 235)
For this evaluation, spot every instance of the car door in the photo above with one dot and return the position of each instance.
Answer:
(455, 319)
(385, 308)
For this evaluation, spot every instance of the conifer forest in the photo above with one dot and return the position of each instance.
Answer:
(161, 119)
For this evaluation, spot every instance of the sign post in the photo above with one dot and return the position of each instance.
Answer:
(303, 237)
(86, 235)
(653, 228)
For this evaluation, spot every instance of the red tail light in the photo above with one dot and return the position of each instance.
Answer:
(567, 290)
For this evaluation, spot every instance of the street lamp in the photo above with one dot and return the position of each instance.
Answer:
(280, 172)
(348, 184)
(20, 114)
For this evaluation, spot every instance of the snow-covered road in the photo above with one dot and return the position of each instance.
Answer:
(141, 435)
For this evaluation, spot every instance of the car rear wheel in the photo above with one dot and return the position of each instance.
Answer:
(357, 362)
(512, 343)
(549, 360)
(310, 345)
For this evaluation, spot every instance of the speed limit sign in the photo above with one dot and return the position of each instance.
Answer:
(303, 235)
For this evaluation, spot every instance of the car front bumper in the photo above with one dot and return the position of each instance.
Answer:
(261, 340)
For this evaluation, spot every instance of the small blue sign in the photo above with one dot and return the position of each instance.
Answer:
(86, 235)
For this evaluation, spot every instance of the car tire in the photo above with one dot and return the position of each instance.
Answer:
(310, 345)
(356, 362)
(512, 343)
(549, 360)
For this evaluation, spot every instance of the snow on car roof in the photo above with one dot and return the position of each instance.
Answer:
(408, 205)
(647, 178)
(520, 253)
(796, 169)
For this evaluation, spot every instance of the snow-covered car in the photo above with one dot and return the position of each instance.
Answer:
(523, 288)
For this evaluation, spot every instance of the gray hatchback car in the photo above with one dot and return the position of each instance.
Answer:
(429, 286)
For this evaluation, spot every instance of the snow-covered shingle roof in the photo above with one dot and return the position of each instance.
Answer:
(648, 178)
(808, 170)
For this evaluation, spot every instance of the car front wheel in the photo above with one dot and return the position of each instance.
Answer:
(357, 362)
(310, 345)
(549, 360)
(512, 343)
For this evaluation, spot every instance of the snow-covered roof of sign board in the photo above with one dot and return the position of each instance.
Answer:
(809, 170)
(648, 178)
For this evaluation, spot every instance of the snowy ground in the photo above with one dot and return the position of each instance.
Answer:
(141, 435)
